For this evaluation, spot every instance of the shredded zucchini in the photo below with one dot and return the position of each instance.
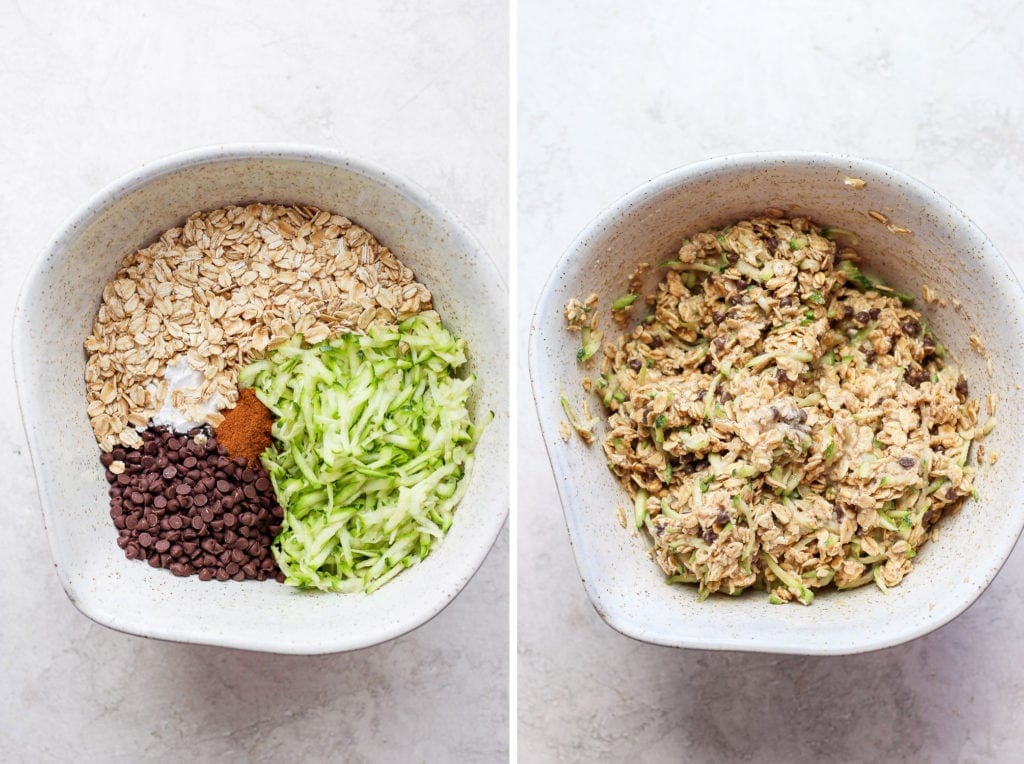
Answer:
(372, 444)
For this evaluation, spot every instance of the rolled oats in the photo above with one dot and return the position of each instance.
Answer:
(221, 290)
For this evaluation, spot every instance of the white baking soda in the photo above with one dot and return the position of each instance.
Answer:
(180, 376)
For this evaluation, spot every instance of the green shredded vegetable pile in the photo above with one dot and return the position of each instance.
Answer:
(372, 442)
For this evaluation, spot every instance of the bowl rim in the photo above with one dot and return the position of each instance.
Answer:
(659, 183)
(139, 177)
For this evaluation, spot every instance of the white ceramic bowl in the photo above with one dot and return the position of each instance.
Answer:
(945, 251)
(55, 314)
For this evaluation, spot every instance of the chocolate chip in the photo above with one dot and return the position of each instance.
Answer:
(915, 375)
(906, 462)
(910, 327)
(961, 389)
(180, 517)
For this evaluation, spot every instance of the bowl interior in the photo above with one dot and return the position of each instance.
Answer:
(55, 315)
(945, 251)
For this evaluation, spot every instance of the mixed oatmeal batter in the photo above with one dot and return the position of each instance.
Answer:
(780, 420)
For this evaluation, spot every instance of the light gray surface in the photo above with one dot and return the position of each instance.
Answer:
(610, 98)
(90, 95)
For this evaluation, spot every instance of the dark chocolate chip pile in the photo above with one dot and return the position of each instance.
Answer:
(192, 509)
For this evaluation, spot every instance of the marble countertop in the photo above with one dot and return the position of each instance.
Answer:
(90, 93)
(609, 98)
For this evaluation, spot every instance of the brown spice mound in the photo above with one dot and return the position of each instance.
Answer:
(245, 431)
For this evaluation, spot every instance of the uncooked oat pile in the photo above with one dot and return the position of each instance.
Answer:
(221, 290)
(781, 420)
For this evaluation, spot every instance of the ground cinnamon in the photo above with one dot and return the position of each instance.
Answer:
(245, 431)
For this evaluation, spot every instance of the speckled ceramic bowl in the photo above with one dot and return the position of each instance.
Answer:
(946, 251)
(55, 314)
